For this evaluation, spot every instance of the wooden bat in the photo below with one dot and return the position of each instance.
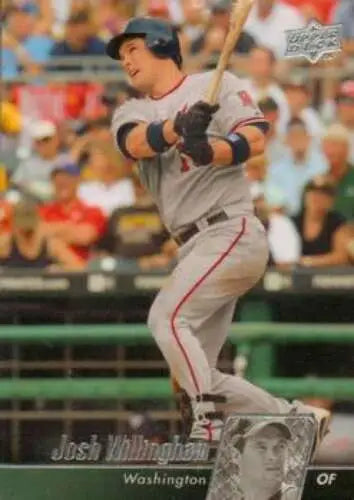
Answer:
(239, 14)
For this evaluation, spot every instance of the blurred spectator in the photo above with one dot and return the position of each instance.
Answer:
(300, 164)
(116, 95)
(336, 149)
(21, 46)
(256, 172)
(43, 11)
(10, 130)
(3, 178)
(194, 19)
(97, 130)
(79, 38)
(110, 189)
(63, 9)
(319, 225)
(349, 242)
(344, 15)
(33, 174)
(211, 42)
(10, 118)
(110, 17)
(69, 219)
(158, 8)
(137, 232)
(345, 112)
(314, 9)
(298, 95)
(283, 238)
(261, 83)
(268, 21)
(5, 217)
(275, 148)
(27, 246)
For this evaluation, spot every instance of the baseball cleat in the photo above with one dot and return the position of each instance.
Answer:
(322, 418)
(208, 423)
(208, 430)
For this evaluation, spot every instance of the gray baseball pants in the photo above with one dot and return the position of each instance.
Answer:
(191, 315)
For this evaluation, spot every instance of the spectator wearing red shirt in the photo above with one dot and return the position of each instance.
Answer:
(68, 218)
(320, 9)
(5, 217)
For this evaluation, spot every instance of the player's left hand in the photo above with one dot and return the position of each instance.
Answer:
(198, 149)
(196, 120)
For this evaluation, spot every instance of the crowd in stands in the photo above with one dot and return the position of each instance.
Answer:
(69, 201)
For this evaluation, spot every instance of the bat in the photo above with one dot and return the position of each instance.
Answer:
(239, 14)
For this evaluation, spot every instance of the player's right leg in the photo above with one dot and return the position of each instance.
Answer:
(176, 313)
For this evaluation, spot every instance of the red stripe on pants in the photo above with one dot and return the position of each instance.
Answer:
(191, 291)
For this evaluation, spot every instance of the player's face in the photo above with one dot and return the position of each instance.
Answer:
(139, 63)
(264, 456)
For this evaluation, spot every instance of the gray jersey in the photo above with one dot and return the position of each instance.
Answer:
(183, 192)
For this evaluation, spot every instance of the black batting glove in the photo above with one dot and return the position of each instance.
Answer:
(195, 120)
(198, 149)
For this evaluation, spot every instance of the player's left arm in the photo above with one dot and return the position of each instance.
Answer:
(239, 146)
(234, 149)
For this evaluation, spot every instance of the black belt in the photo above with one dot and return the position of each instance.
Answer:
(188, 233)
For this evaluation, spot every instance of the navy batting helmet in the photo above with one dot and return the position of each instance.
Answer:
(160, 37)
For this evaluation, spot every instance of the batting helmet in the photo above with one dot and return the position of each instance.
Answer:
(160, 37)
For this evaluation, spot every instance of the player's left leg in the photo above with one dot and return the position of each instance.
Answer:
(241, 396)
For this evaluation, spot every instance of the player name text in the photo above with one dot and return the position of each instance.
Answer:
(121, 448)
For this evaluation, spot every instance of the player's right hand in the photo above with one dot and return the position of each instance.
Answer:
(198, 149)
(196, 120)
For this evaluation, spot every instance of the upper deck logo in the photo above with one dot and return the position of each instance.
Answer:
(314, 42)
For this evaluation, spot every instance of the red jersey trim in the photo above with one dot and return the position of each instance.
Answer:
(188, 295)
(171, 90)
(247, 121)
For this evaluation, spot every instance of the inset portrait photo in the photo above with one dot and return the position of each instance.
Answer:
(262, 458)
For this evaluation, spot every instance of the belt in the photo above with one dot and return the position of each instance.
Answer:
(193, 229)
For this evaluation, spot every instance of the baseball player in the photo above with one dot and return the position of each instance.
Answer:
(191, 158)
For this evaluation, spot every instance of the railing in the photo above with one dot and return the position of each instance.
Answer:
(254, 343)
(255, 356)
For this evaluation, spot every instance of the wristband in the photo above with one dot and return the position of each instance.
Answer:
(240, 148)
(122, 135)
(155, 137)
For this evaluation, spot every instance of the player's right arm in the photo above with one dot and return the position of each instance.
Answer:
(140, 143)
(137, 135)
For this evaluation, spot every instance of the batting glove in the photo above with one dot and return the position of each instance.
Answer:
(196, 120)
(198, 149)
